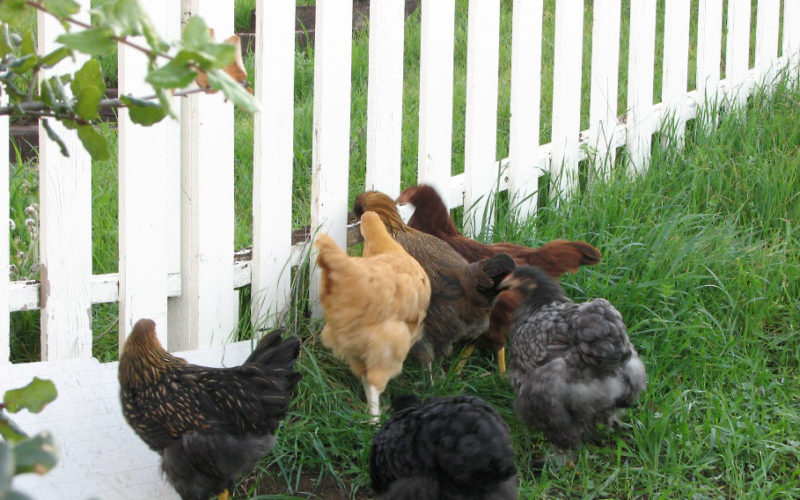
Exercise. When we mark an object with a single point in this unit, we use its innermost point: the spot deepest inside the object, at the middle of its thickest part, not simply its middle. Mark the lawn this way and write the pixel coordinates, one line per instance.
(701, 256)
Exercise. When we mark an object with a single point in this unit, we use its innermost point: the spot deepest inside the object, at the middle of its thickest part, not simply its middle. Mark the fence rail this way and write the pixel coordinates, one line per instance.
(176, 214)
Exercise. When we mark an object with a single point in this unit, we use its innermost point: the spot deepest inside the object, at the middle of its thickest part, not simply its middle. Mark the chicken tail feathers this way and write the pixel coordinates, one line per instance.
(493, 270)
(562, 256)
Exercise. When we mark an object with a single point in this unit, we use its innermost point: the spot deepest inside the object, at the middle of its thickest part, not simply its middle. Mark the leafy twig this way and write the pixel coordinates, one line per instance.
(121, 39)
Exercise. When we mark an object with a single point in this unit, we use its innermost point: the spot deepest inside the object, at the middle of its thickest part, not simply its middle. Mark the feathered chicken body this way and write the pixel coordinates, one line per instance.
(572, 365)
(373, 305)
(557, 257)
(455, 447)
(462, 294)
(208, 424)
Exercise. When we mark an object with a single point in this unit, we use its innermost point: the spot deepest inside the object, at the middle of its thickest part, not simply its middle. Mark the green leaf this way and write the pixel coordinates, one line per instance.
(13, 12)
(6, 44)
(143, 112)
(88, 88)
(7, 466)
(62, 8)
(28, 45)
(55, 138)
(219, 80)
(37, 454)
(195, 34)
(172, 75)
(10, 431)
(55, 57)
(33, 397)
(94, 142)
(23, 64)
(95, 41)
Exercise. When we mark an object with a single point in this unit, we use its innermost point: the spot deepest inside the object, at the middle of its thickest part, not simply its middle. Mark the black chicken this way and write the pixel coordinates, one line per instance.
(455, 447)
(208, 424)
(572, 365)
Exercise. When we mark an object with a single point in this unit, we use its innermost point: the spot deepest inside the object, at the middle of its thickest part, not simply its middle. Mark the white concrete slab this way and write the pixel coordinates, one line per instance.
(100, 456)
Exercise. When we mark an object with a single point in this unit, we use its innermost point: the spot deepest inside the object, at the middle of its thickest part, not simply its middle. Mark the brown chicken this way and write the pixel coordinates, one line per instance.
(208, 424)
(373, 305)
(462, 294)
(556, 258)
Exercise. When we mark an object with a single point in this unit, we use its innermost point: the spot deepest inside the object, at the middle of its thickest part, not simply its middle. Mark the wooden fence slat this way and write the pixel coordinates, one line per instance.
(65, 199)
(331, 141)
(273, 160)
(436, 95)
(676, 64)
(143, 176)
(526, 92)
(791, 37)
(5, 334)
(737, 51)
(709, 46)
(480, 143)
(767, 25)
(605, 84)
(566, 97)
(206, 310)
(385, 95)
(641, 55)
(172, 31)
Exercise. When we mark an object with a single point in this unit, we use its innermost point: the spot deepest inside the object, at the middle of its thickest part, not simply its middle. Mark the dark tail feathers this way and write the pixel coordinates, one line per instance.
(277, 353)
(495, 268)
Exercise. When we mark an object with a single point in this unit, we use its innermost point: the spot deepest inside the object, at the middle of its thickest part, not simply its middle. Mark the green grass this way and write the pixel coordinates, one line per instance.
(702, 257)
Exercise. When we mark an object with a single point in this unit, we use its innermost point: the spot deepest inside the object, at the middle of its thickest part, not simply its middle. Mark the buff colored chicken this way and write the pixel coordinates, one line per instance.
(373, 306)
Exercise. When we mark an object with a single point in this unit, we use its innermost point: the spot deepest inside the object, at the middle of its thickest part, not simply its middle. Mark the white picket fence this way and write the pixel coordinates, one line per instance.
(176, 179)
(176, 212)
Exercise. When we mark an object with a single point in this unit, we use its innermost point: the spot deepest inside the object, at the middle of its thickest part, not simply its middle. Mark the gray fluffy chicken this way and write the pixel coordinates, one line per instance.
(455, 447)
(572, 365)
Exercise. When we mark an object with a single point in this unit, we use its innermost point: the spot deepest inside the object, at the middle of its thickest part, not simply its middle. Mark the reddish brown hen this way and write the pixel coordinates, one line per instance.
(556, 257)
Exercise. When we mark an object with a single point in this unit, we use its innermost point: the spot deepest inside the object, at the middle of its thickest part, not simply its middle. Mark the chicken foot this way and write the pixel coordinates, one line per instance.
(223, 495)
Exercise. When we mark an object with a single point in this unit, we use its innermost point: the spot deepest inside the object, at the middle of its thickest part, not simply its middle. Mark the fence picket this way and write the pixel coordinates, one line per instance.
(709, 46)
(385, 95)
(331, 142)
(526, 91)
(206, 310)
(641, 56)
(143, 176)
(791, 37)
(676, 64)
(605, 85)
(767, 25)
(480, 143)
(737, 51)
(5, 334)
(436, 96)
(566, 96)
(65, 200)
(273, 158)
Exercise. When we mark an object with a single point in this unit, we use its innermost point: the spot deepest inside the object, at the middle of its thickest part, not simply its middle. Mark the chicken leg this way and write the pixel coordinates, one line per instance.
(223, 495)
(501, 360)
(373, 400)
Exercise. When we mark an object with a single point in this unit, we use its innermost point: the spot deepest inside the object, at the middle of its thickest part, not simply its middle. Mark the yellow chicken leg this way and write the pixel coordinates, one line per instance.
(223, 495)
(462, 360)
(501, 360)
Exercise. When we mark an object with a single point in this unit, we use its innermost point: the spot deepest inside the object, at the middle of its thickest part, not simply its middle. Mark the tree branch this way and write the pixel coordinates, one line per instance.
(31, 107)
